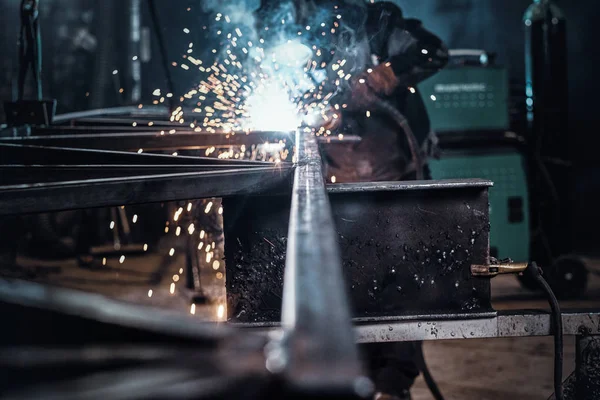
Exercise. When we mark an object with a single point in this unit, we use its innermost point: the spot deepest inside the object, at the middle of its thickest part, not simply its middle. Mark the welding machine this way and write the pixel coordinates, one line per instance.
(468, 107)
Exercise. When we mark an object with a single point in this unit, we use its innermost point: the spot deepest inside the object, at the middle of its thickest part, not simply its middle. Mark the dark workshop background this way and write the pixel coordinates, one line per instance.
(85, 40)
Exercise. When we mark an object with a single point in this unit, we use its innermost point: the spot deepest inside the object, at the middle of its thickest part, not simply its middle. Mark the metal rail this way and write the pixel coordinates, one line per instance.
(148, 141)
(507, 324)
(58, 196)
(318, 353)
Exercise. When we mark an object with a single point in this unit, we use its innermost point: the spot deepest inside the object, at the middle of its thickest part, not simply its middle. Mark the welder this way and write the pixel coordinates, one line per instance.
(387, 56)
(387, 112)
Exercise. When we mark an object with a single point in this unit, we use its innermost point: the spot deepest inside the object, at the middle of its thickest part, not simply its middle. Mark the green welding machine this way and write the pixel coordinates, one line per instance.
(468, 108)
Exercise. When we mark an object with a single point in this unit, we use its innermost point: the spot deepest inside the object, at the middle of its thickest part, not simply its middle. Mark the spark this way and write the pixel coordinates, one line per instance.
(216, 265)
(122, 260)
(145, 246)
(172, 288)
(193, 309)
(220, 312)
(135, 218)
(150, 293)
(171, 252)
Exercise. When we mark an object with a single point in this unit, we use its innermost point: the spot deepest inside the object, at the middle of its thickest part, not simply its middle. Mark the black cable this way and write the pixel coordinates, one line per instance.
(535, 273)
(422, 365)
(163, 54)
(402, 122)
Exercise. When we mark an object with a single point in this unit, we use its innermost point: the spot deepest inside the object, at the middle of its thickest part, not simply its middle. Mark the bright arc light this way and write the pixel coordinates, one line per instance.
(271, 109)
(292, 53)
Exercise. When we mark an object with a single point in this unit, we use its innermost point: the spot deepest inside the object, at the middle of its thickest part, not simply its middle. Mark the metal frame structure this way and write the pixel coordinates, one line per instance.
(313, 354)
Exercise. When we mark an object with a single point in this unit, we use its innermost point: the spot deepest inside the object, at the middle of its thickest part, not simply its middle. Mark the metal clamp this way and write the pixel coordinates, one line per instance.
(497, 269)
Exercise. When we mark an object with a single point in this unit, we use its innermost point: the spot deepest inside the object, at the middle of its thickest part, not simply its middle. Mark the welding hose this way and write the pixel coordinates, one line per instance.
(385, 107)
(534, 273)
(427, 377)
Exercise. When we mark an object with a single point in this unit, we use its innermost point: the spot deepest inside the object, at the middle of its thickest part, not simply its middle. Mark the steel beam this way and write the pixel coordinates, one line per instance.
(148, 141)
(317, 353)
(506, 324)
(407, 249)
(14, 154)
(57, 196)
(52, 305)
(133, 139)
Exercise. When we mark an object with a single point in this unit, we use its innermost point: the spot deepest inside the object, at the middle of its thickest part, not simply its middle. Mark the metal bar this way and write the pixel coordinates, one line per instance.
(514, 323)
(32, 174)
(60, 302)
(318, 354)
(147, 111)
(409, 185)
(119, 138)
(509, 324)
(14, 154)
(58, 196)
(150, 140)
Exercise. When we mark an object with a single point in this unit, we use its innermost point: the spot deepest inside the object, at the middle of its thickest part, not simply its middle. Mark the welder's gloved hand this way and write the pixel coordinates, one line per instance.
(376, 82)
(381, 80)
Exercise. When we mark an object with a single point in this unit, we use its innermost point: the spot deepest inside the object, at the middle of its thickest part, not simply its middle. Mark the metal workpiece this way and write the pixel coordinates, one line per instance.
(505, 324)
(14, 154)
(317, 352)
(32, 308)
(148, 141)
(140, 189)
(406, 250)
(409, 185)
(66, 344)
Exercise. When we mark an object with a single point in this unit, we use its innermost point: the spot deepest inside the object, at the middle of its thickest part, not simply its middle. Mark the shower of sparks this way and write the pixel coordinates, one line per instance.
(248, 85)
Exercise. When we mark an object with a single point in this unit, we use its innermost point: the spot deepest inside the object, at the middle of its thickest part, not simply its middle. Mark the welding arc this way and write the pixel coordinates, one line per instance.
(164, 58)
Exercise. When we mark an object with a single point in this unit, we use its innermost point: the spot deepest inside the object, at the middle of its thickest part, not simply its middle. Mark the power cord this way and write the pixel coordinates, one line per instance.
(534, 273)
(422, 365)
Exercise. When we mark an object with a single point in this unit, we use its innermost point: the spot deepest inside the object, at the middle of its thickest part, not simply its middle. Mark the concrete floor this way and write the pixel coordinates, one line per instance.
(464, 369)
(498, 369)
